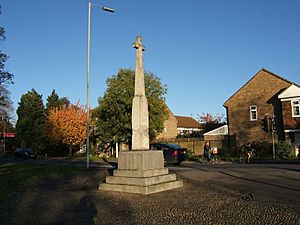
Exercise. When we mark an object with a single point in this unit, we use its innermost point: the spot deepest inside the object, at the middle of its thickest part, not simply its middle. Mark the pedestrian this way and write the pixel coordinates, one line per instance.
(249, 151)
(207, 151)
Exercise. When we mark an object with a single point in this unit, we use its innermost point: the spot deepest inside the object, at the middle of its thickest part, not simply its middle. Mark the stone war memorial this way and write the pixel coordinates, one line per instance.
(140, 170)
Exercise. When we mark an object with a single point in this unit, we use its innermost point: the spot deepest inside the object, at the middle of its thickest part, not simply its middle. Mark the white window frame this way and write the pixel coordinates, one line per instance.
(253, 108)
(294, 104)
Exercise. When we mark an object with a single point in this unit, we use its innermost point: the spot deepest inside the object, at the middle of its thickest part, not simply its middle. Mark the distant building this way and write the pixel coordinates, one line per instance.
(170, 128)
(219, 133)
(264, 100)
(217, 137)
(187, 125)
(178, 125)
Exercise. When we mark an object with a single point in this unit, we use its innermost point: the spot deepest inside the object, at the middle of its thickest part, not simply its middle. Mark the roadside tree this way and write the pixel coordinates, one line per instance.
(67, 125)
(112, 117)
(6, 78)
(6, 107)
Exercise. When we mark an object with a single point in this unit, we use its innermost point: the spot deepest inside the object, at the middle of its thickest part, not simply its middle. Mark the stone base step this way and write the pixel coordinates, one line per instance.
(140, 173)
(144, 190)
(140, 181)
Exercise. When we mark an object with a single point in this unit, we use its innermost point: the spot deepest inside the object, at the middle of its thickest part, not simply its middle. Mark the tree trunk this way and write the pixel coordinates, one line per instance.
(70, 151)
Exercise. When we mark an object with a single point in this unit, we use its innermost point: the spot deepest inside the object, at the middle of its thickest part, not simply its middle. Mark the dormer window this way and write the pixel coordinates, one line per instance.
(253, 113)
(295, 108)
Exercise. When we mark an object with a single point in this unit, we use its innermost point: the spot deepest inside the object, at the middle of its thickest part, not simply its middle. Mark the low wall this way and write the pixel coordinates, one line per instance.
(197, 145)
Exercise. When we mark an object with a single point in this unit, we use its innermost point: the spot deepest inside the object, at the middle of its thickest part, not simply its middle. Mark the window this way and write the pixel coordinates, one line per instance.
(296, 108)
(253, 113)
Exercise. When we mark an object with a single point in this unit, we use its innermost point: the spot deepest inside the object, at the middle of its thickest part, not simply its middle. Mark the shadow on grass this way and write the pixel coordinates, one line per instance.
(41, 194)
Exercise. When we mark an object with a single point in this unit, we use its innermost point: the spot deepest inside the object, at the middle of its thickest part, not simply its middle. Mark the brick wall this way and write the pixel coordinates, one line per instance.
(170, 129)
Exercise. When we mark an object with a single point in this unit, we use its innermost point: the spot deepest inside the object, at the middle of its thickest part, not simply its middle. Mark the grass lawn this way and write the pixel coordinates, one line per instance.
(16, 177)
(94, 158)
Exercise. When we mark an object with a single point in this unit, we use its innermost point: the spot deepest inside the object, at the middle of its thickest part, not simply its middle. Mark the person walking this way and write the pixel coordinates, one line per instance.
(207, 151)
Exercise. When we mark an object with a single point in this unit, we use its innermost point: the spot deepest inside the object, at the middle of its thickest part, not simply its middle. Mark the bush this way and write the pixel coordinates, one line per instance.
(229, 153)
(262, 148)
(285, 150)
(190, 153)
(195, 157)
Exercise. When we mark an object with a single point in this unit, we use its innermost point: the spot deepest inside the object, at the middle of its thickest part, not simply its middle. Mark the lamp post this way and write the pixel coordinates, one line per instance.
(88, 78)
(4, 134)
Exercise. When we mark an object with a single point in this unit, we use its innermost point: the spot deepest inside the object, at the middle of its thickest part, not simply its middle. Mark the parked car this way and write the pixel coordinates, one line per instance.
(25, 153)
(173, 154)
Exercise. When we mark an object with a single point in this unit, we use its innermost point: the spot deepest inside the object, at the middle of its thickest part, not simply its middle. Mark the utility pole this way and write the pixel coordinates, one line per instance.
(4, 134)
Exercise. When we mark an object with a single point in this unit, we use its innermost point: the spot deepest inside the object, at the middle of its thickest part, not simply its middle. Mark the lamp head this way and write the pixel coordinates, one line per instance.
(108, 9)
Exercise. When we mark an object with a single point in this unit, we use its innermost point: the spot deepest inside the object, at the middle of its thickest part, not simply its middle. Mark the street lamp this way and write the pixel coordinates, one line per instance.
(4, 134)
(88, 78)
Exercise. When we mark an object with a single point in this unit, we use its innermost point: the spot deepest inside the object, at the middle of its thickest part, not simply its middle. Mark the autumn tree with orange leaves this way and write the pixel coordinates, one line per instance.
(67, 125)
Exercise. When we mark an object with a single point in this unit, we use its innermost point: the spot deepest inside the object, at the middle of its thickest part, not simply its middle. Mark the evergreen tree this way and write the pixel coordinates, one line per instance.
(53, 101)
(31, 121)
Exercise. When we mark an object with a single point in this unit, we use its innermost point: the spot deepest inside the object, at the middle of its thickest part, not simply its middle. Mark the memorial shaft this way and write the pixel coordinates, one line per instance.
(140, 115)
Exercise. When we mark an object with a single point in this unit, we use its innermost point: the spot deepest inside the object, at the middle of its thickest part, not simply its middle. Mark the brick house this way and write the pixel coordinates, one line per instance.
(187, 125)
(176, 125)
(253, 106)
(170, 128)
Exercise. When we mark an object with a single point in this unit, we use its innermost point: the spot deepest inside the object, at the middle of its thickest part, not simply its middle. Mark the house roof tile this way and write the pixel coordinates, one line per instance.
(187, 122)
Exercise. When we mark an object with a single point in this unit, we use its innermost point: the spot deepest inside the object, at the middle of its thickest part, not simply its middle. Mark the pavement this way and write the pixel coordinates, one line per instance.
(212, 194)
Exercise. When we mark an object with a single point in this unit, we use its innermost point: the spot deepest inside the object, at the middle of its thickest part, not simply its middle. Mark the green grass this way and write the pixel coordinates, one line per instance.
(94, 158)
(82, 156)
(112, 159)
(16, 177)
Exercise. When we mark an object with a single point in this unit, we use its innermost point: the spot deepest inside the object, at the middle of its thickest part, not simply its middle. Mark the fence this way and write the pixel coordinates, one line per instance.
(196, 145)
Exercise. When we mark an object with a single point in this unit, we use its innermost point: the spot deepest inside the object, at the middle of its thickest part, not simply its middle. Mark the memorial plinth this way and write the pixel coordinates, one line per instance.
(140, 170)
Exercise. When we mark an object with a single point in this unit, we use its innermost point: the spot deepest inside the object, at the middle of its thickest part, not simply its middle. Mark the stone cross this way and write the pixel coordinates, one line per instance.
(140, 171)
(140, 115)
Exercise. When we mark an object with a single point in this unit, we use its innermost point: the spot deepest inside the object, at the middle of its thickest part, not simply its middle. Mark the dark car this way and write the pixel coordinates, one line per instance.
(173, 154)
(25, 153)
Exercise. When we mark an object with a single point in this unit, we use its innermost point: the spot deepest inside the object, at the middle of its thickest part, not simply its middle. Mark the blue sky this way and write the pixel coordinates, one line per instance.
(204, 51)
